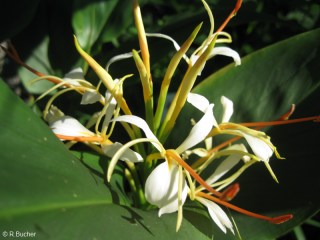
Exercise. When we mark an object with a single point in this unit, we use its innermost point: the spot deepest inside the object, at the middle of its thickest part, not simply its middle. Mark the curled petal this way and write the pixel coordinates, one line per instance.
(217, 214)
(227, 105)
(69, 126)
(128, 155)
(225, 51)
(139, 122)
(199, 131)
(161, 188)
(198, 101)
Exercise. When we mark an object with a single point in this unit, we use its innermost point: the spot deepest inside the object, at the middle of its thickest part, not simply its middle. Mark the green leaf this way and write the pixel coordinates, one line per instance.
(89, 19)
(262, 89)
(47, 191)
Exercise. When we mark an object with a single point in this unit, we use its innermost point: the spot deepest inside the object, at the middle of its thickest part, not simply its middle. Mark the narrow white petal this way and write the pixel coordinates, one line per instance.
(139, 122)
(70, 127)
(225, 51)
(90, 97)
(199, 131)
(127, 155)
(260, 148)
(217, 214)
(227, 164)
(110, 110)
(198, 101)
(118, 58)
(227, 105)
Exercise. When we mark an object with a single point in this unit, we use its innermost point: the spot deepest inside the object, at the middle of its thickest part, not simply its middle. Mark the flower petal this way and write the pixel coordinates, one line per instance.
(227, 105)
(199, 131)
(127, 155)
(260, 148)
(226, 52)
(90, 96)
(139, 122)
(70, 126)
(217, 214)
(161, 188)
(198, 101)
(227, 163)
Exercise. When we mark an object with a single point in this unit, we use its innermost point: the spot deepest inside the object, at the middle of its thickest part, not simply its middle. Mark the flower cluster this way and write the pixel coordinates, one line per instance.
(159, 176)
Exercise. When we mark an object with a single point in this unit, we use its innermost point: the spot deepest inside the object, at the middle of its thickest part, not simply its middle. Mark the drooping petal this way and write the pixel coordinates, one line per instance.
(199, 131)
(70, 126)
(53, 114)
(260, 148)
(110, 110)
(127, 155)
(139, 122)
(217, 214)
(198, 101)
(227, 105)
(225, 51)
(161, 188)
(90, 96)
(227, 164)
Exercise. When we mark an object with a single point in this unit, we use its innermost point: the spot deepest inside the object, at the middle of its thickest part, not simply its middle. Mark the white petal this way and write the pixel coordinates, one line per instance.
(76, 73)
(70, 127)
(226, 52)
(198, 101)
(227, 163)
(118, 58)
(53, 114)
(260, 148)
(139, 122)
(128, 155)
(110, 110)
(227, 105)
(161, 188)
(217, 214)
(199, 131)
(90, 96)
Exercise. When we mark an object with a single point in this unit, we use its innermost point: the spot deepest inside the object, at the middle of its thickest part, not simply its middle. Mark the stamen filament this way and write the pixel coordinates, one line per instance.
(281, 122)
(177, 158)
(231, 15)
(274, 220)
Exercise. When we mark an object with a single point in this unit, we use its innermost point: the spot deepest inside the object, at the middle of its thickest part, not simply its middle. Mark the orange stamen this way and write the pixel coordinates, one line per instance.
(180, 161)
(81, 138)
(13, 54)
(231, 15)
(274, 220)
(281, 122)
(230, 192)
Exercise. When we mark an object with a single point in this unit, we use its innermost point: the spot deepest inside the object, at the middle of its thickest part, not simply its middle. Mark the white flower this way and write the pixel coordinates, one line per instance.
(161, 187)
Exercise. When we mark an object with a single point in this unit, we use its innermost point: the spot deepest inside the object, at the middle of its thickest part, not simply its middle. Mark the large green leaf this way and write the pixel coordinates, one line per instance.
(89, 19)
(46, 190)
(262, 89)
